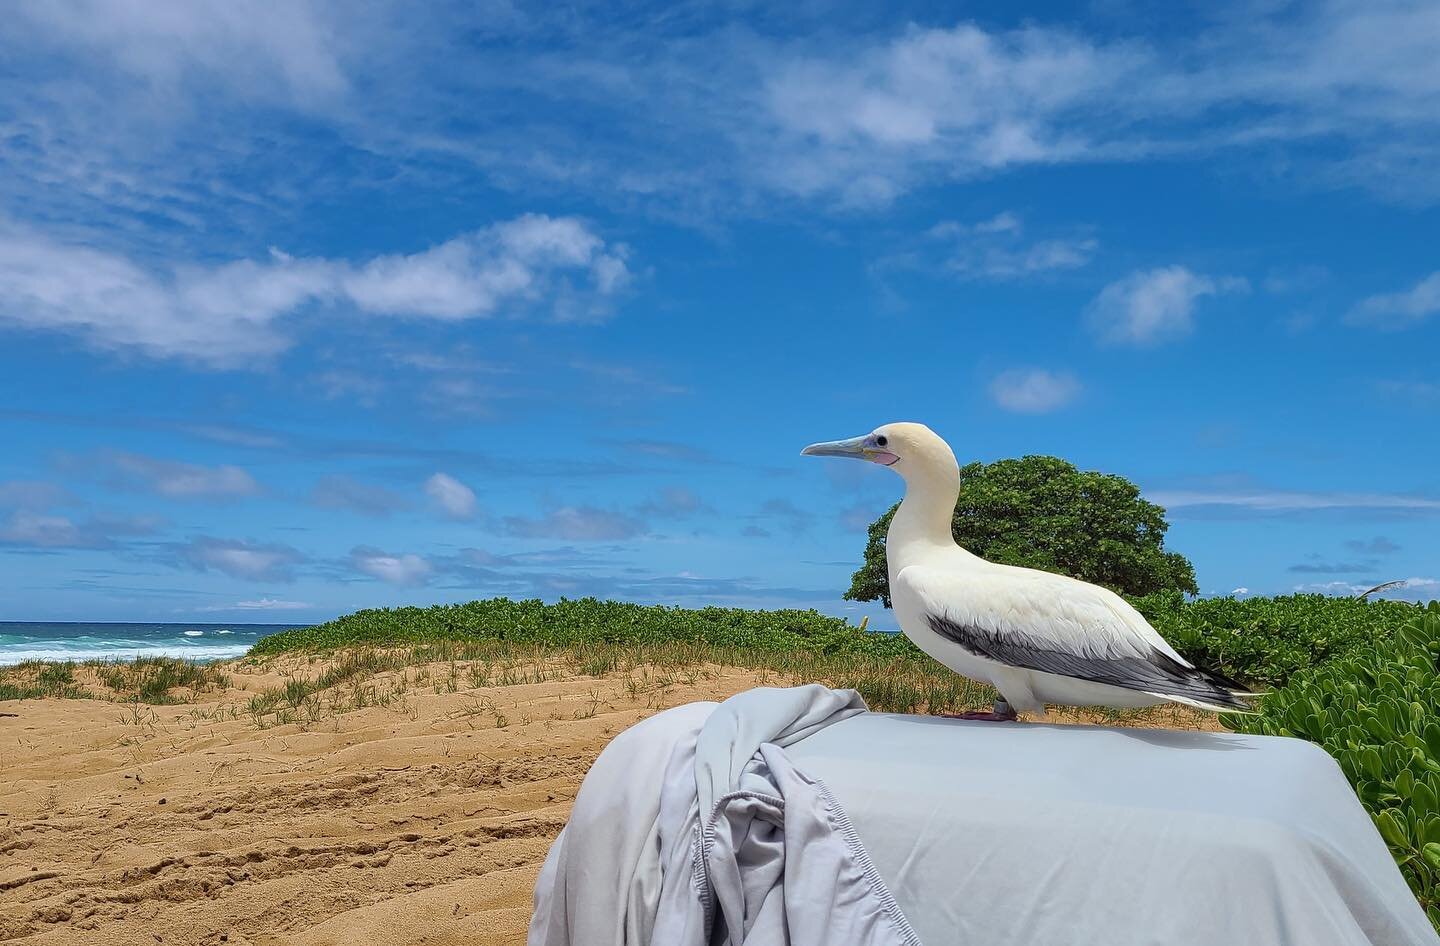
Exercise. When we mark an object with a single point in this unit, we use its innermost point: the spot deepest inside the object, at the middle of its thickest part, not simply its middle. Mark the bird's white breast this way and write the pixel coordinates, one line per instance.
(911, 614)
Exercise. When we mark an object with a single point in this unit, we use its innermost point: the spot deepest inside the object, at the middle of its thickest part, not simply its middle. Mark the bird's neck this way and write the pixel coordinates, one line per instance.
(923, 521)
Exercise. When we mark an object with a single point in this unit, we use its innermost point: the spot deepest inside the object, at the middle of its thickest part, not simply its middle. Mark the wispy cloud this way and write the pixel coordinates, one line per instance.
(29, 528)
(1399, 310)
(1156, 305)
(406, 569)
(251, 561)
(1315, 565)
(1376, 546)
(667, 450)
(580, 523)
(230, 314)
(1416, 393)
(1267, 502)
(452, 497)
(178, 480)
(1034, 390)
(867, 122)
(261, 604)
(285, 55)
(998, 249)
(784, 514)
(33, 494)
(731, 117)
(29, 520)
(673, 502)
(335, 491)
(613, 376)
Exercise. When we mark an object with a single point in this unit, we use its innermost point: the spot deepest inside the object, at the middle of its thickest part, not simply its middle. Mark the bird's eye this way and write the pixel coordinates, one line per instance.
(881, 441)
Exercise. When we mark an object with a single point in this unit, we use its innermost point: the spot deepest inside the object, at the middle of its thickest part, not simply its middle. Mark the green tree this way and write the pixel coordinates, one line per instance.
(1042, 512)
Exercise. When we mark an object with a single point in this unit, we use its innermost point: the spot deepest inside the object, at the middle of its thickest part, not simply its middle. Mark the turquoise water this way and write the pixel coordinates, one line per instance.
(40, 640)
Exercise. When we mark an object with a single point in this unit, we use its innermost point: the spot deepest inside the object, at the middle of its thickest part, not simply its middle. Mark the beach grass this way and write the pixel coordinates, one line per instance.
(149, 680)
(323, 684)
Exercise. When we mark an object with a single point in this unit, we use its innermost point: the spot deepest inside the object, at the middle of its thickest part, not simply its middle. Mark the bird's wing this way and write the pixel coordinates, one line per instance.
(1038, 621)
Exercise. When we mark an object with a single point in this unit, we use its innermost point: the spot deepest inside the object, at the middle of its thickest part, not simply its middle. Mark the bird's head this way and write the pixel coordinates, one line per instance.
(908, 449)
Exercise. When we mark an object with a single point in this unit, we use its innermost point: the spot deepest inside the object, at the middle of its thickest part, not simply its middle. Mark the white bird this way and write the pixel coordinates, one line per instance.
(1036, 637)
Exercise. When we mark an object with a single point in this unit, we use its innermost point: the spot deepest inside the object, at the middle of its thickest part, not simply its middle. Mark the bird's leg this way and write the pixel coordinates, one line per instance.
(1002, 713)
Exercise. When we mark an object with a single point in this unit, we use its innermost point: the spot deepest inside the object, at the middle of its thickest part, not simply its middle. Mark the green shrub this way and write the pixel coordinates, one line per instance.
(1375, 712)
(1264, 641)
(588, 620)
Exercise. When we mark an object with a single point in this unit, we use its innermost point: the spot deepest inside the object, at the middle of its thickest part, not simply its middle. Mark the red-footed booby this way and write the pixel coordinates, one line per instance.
(1036, 637)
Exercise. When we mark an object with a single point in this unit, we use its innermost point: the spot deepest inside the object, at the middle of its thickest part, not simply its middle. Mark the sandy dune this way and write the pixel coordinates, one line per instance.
(424, 821)
(420, 821)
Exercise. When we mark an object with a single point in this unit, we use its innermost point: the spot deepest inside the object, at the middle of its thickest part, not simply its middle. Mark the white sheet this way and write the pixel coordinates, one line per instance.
(1022, 834)
(693, 828)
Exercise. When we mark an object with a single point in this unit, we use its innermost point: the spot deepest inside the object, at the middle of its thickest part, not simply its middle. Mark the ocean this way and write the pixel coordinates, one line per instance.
(41, 640)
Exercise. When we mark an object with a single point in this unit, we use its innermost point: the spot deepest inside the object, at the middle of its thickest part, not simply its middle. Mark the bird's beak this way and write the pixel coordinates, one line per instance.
(857, 448)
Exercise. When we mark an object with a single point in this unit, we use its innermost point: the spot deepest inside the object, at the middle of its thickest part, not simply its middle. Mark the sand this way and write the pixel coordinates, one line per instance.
(421, 821)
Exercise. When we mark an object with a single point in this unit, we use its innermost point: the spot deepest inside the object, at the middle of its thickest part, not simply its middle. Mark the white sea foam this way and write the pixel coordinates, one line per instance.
(16, 653)
(192, 633)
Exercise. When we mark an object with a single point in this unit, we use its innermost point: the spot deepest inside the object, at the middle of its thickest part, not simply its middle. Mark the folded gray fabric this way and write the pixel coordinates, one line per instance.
(693, 828)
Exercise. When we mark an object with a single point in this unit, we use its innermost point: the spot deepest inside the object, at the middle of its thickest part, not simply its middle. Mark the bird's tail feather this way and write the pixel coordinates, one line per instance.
(1235, 703)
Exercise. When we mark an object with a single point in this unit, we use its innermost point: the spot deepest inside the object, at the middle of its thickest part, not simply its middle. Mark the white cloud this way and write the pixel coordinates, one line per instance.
(453, 497)
(257, 50)
(253, 561)
(146, 108)
(1399, 310)
(866, 122)
(231, 314)
(1242, 590)
(1155, 305)
(29, 528)
(33, 523)
(42, 531)
(1034, 390)
(405, 569)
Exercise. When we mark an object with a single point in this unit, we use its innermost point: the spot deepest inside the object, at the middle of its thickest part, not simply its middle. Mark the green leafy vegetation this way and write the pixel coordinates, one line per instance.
(1376, 712)
(1043, 512)
(587, 621)
(1261, 641)
(1265, 641)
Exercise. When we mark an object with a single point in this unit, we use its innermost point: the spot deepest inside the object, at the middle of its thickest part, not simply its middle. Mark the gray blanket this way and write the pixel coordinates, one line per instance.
(1014, 834)
(694, 828)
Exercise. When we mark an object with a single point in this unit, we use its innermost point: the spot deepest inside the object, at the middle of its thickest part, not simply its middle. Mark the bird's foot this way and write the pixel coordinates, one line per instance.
(1002, 713)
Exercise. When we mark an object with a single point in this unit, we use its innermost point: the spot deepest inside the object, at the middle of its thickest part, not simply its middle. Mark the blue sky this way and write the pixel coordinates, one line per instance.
(312, 307)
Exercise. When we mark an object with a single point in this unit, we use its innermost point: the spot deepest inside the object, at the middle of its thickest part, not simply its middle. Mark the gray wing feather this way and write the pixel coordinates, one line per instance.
(1156, 672)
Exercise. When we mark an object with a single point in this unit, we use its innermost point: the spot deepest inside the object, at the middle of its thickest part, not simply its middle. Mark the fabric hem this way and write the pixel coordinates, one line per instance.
(867, 867)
